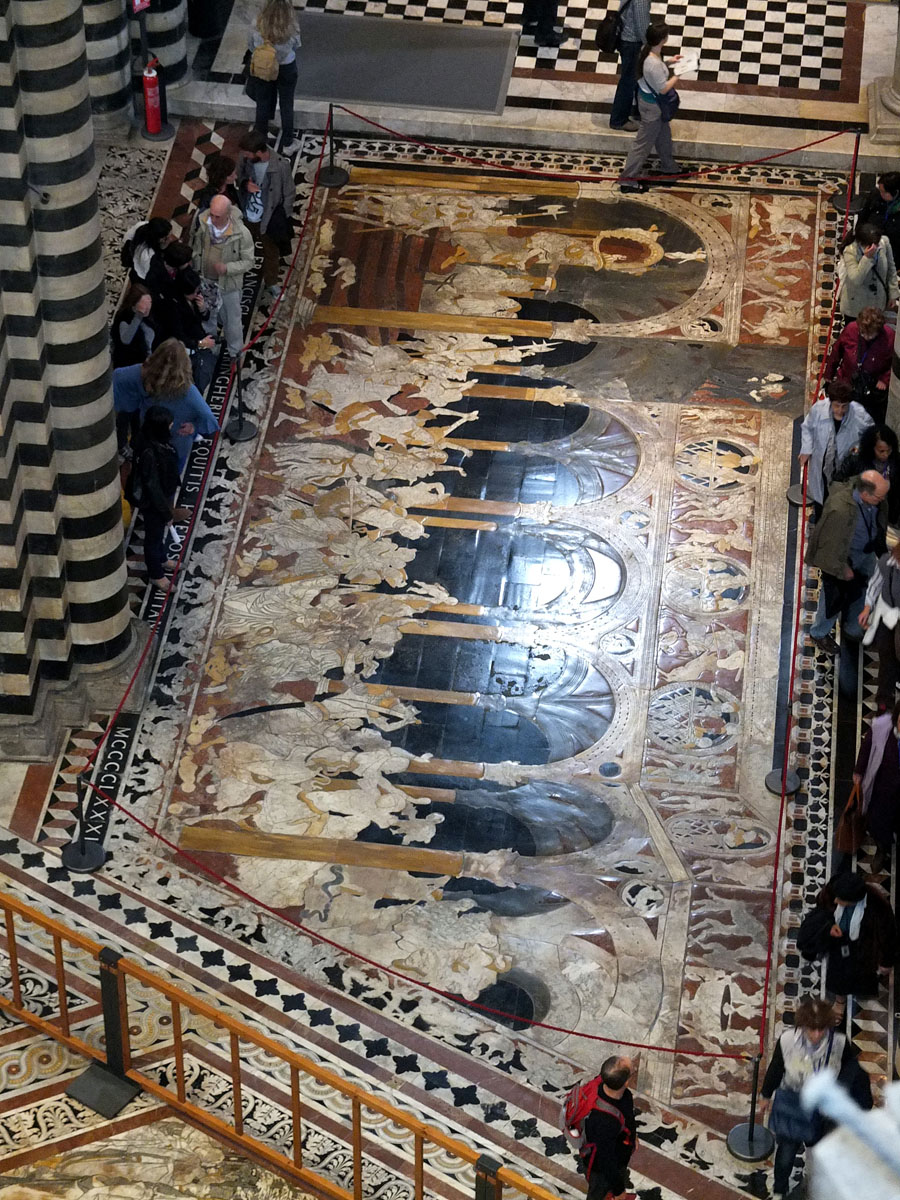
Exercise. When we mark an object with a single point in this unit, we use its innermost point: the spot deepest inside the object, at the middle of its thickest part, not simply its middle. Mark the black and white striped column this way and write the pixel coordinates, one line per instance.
(63, 596)
(167, 38)
(109, 61)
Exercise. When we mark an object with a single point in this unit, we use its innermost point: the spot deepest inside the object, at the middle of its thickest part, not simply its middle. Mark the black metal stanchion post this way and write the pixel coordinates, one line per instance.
(748, 1141)
(239, 429)
(847, 201)
(332, 176)
(81, 855)
(106, 1089)
(487, 1185)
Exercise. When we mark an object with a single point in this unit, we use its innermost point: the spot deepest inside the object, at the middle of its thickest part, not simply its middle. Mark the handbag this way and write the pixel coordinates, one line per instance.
(851, 830)
(609, 31)
(669, 102)
(789, 1120)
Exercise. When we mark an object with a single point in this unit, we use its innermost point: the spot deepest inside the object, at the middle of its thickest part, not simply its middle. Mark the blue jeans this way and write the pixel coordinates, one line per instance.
(854, 602)
(154, 542)
(624, 102)
(280, 90)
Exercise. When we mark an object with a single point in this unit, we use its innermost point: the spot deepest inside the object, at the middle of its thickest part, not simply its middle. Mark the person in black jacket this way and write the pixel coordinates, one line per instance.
(882, 209)
(152, 485)
(853, 928)
(133, 327)
(184, 314)
(877, 451)
(610, 1131)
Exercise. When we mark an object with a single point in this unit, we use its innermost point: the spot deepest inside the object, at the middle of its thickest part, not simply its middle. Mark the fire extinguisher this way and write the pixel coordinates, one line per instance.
(152, 110)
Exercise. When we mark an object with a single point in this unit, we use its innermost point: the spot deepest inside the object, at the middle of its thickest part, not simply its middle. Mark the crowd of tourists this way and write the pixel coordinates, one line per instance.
(183, 300)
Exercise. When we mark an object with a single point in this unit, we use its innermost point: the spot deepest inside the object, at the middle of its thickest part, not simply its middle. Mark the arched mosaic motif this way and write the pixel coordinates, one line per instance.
(525, 704)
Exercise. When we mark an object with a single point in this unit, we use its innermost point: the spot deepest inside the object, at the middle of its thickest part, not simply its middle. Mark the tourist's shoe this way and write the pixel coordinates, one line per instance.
(826, 644)
(633, 187)
(554, 39)
(275, 290)
(292, 147)
(629, 126)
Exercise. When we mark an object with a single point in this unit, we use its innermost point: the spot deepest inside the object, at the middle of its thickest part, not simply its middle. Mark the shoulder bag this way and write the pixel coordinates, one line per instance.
(609, 31)
(851, 829)
(669, 102)
(789, 1120)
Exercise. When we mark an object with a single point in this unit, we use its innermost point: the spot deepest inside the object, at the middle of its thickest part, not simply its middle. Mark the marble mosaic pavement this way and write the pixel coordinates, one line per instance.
(500, 623)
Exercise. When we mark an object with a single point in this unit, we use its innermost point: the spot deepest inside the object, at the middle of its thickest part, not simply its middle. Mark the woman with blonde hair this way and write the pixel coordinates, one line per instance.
(276, 27)
(166, 379)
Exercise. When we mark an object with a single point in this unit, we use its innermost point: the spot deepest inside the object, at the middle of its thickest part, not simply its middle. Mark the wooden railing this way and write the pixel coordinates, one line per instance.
(209, 1045)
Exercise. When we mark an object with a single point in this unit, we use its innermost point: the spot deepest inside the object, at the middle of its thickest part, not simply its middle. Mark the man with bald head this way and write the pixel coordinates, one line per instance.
(222, 249)
(610, 1131)
(845, 544)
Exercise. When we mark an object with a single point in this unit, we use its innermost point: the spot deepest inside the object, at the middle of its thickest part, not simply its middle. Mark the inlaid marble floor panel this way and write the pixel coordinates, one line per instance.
(480, 640)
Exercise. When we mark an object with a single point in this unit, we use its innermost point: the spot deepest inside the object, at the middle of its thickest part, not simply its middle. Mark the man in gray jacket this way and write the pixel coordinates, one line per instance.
(635, 16)
(266, 194)
(222, 250)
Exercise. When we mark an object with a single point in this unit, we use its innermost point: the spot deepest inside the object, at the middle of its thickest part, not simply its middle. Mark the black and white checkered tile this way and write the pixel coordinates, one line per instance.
(763, 43)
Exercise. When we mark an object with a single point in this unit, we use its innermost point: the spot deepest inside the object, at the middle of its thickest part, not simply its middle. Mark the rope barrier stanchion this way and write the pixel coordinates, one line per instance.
(748, 1141)
(239, 429)
(332, 176)
(80, 855)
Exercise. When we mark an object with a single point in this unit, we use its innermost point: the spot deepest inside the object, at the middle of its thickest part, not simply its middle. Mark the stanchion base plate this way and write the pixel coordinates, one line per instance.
(166, 132)
(747, 1150)
(333, 177)
(795, 494)
(240, 431)
(791, 782)
(102, 1092)
(94, 857)
(844, 203)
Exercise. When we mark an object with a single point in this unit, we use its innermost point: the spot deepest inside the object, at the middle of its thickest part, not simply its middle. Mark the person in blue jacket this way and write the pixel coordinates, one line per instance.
(165, 378)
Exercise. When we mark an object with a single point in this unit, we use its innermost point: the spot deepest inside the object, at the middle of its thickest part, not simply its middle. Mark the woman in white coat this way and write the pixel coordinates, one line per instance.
(830, 429)
(869, 273)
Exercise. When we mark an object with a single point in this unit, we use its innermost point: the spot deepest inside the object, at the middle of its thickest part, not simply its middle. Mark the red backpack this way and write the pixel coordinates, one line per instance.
(581, 1100)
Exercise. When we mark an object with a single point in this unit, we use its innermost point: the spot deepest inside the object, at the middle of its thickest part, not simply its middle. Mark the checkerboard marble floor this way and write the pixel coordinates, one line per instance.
(785, 43)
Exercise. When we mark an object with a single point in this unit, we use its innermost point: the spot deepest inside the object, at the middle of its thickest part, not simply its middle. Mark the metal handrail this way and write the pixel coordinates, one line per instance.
(176, 1094)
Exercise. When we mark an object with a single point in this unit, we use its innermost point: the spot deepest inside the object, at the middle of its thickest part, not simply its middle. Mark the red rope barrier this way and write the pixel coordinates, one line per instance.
(773, 899)
(322, 938)
(371, 962)
(571, 177)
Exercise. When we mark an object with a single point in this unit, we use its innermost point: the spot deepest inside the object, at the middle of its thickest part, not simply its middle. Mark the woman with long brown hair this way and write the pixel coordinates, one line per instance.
(166, 379)
(133, 328)
(276, 26)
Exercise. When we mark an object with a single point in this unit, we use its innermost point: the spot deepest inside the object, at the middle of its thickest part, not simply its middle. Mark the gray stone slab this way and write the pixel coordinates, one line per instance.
(373, 60)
